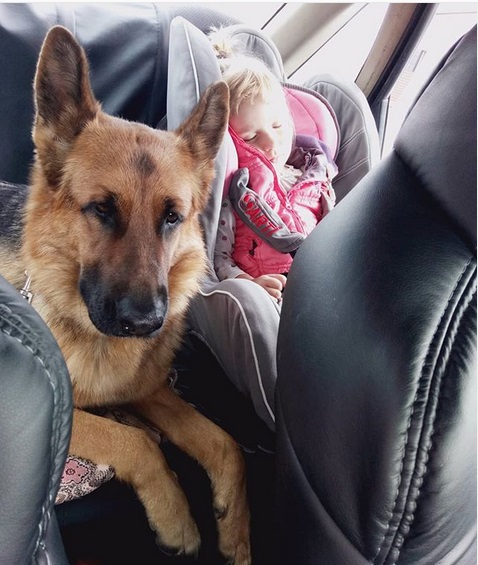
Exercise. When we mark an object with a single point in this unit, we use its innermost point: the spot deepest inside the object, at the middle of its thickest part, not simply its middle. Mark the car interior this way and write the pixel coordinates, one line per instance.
(358, 428)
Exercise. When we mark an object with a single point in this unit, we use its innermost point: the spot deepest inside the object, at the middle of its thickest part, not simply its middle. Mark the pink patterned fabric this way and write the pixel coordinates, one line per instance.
(80, 476)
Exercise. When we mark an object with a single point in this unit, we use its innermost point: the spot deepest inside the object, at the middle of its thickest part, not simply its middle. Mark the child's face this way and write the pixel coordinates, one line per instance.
(267, 126)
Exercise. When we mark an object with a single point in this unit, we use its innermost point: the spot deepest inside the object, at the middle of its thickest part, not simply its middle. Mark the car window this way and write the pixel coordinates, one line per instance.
(345, 52)
(450, 21)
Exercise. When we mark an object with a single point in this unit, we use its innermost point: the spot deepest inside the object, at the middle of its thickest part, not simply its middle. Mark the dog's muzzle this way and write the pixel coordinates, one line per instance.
(124, 313)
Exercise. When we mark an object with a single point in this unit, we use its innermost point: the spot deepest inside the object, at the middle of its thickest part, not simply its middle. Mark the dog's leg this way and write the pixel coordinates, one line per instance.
(138, 461)
(219, 455)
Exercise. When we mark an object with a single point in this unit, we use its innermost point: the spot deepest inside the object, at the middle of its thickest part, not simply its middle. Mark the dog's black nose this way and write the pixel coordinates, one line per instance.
(140, 318)
(140, 328)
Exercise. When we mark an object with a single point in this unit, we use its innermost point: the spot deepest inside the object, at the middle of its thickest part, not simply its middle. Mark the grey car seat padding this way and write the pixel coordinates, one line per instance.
(236, 319)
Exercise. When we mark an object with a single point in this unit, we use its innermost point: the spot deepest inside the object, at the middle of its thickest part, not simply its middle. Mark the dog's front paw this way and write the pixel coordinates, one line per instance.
(169, 516)
(232, 516)
(241, 554)
(176, 533)
(235, 545)
(183, 540)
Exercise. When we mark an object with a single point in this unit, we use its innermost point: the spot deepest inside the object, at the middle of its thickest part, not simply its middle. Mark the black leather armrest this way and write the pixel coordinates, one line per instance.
(35, 427)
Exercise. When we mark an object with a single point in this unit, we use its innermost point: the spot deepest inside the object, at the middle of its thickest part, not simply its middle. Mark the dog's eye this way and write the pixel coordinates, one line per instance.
(172, 218)
(102, 209)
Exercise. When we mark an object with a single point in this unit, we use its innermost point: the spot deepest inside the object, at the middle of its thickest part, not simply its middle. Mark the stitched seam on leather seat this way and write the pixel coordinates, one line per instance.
(7, 325)
(439, 375)
(412, 491)
(346, 543)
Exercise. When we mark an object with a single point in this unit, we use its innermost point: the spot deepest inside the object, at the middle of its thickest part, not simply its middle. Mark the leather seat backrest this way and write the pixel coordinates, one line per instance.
(376, 395)
(127, 46)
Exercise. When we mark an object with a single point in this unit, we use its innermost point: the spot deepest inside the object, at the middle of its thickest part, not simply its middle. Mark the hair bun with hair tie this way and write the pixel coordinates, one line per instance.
(222, 53)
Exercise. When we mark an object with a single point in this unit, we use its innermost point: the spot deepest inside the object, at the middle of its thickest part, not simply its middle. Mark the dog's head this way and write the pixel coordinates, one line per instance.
(114, 212)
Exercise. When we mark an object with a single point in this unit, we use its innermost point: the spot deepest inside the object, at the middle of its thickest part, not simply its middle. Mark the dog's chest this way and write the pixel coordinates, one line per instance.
(109, 373)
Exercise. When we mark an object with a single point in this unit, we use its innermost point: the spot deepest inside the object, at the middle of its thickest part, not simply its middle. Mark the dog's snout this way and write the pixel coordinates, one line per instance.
(123, 312)
(140, 317)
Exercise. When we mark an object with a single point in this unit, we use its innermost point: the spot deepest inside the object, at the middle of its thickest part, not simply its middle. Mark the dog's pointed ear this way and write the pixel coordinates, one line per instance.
(204, 129)
(64, 100)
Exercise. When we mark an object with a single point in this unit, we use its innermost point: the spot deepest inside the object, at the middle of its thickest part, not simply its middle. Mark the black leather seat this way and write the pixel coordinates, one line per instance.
(127, 46)
(376, 397)
(35, 425)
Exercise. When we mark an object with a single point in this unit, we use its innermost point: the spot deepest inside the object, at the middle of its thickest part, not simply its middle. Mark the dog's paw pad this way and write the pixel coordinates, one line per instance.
(187, 543)
(169, 551)
(176, 551)
(242, 555)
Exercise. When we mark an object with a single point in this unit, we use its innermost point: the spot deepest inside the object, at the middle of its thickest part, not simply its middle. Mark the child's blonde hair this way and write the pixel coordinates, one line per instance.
(247, 76)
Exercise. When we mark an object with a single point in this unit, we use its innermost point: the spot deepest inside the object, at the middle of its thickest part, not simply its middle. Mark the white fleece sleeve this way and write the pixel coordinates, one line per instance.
(223, 263)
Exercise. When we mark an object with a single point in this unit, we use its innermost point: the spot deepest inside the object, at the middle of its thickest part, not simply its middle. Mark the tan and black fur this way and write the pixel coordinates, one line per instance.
(112, 241)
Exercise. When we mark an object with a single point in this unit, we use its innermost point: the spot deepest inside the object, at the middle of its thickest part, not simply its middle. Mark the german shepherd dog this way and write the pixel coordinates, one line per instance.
(112, 241)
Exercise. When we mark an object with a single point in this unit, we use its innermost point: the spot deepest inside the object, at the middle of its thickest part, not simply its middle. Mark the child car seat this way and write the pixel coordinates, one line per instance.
(235, 318)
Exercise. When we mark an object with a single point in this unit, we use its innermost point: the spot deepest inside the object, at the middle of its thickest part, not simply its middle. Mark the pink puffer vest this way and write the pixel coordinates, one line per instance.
(304, 205)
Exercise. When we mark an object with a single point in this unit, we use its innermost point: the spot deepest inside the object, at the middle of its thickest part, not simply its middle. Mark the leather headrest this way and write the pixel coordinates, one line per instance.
(438, 139)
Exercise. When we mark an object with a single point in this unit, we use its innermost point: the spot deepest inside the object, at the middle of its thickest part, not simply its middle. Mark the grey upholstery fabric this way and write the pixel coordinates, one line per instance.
(247, 39)
(192, 68)
(235, 319)
(359, 149)
(35, 426)
(239, 322)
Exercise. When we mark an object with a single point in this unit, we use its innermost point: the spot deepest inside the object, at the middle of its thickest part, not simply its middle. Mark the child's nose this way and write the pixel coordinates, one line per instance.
(267, 143)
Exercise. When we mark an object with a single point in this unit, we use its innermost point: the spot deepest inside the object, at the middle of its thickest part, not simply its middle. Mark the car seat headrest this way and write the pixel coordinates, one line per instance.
(438, 138)
(250, 41)
(313, 115)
